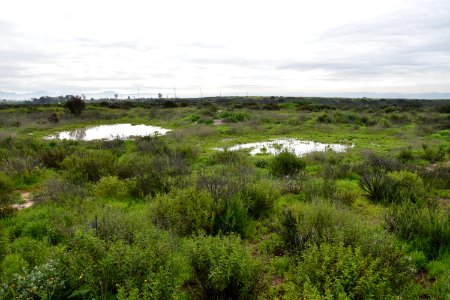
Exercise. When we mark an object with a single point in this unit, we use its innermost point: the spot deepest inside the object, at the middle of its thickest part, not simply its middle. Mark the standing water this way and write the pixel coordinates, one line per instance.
(109, 132)
(295, 146)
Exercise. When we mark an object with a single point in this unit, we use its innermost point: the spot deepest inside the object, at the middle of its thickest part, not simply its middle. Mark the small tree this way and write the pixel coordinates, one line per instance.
(75, 105)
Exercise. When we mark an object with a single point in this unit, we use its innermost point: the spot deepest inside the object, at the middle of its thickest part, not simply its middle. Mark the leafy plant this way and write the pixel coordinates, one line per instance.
(286, 163)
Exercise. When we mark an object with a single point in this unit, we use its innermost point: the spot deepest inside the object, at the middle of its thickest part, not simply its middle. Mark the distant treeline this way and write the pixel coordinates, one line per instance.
(257, 103)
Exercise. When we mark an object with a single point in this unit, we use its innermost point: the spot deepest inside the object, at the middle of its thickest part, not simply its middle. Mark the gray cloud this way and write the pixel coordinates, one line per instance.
(406, 44)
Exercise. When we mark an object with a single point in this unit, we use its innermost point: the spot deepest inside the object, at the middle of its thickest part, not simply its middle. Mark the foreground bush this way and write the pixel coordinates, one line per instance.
(333, 271)
(223, 269)
(427, 228)
(183, 211)
(319, 223)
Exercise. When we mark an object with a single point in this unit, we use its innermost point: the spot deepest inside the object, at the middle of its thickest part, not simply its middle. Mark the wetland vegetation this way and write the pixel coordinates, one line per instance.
(164, 217)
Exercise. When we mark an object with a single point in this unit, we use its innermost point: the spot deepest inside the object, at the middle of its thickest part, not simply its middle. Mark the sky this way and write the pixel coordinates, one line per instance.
(212, 47)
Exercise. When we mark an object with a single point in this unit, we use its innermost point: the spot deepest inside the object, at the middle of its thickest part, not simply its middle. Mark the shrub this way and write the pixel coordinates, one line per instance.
(433, 154)
(228, 157)
(231, 216)
(406, 155)
(393, 187)
(286, 164)
(184, 211)
(334, 271)
(44, 281)
(75, 105)
(152, 144)
(260, 198)
(223, 269)
(111, 187)
(6, 186)
(377, 186)
(428, 228)
(234, 116)
(319, 223)
(52, 155)
(89, 165)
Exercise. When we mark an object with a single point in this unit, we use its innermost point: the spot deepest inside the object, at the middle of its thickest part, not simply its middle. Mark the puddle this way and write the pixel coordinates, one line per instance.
(108, 132)
(293, 145)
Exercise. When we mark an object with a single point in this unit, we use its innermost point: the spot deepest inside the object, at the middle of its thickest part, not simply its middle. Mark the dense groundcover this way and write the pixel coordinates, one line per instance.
(164, 217)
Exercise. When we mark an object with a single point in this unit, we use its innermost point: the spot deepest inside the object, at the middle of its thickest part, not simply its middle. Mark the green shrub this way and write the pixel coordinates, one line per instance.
(406, 155)
(223, 269)
(286, 164)
(228, 157)
(428, 228)
(260, 197)
(111, 187)
(89, 165)
(393, 187)
(262, 163)
(231, 216)
(334, 271)
(234, 116)
(6, 185)
(184, 211)
(319, 223)
(44, 281)
(433, 154)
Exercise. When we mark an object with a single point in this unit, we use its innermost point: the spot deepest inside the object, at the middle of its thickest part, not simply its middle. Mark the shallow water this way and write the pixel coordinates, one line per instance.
(293, 145)
(108, 132)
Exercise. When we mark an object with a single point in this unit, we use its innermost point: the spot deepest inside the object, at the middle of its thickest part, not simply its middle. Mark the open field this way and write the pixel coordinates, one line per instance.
(170, 217)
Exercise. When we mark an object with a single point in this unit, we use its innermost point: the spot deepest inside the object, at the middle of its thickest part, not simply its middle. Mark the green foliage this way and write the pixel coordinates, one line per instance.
(112, 187)
(393, 187)
(428, 228)
(45, 281)
(234, 116)
(223, 269)
(334, 271)
(228, 157)
(75, 105)
(89, 165)
(319, 223)
(260, 198)
(286, 164)
(184, 211)
(433, 154)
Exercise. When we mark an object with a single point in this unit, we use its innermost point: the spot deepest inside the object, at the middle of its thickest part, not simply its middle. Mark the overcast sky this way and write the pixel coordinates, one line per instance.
(256, 47)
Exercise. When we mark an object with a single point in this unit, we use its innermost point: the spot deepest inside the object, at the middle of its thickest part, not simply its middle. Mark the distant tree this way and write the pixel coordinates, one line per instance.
(75, 105)
(160, 95)
(116, 96)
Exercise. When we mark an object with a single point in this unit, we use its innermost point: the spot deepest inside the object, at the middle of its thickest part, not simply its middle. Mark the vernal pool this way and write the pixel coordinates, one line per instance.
(108, 132)
(293, 145)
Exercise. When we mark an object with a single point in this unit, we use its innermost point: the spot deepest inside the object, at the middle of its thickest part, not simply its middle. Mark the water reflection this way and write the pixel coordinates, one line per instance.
(109, 132)
(293, 145)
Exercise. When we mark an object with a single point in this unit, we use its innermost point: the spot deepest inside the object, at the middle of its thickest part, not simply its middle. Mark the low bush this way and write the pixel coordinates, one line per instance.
(185, 212)
(260, 197)
(335, 271)
(89, 165)
(286, 164)
(433, 154)
(223, 269)
(6, 186)
(319, 223)
(393, 187)
(234, 116)
(428, 228)
(112, 187)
